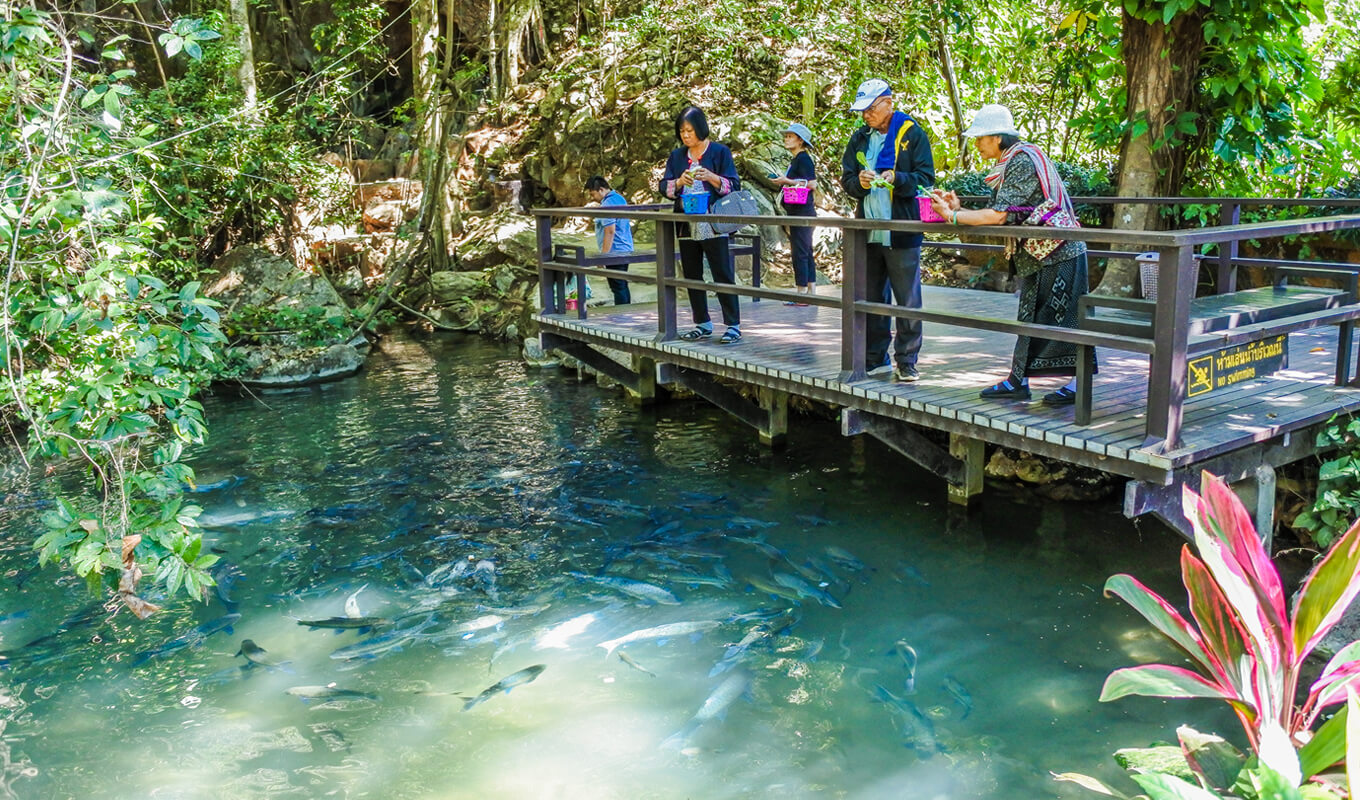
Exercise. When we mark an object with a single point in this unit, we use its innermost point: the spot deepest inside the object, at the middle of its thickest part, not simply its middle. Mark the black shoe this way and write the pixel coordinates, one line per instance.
(1062, 397)
(906, 373)
(1005, 391)
(730, 336)
(696, 334)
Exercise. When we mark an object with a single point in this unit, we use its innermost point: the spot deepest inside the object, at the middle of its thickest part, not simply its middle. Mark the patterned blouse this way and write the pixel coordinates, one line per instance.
(1020, 189)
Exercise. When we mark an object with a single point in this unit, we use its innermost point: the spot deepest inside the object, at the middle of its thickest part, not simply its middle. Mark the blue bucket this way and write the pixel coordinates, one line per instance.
(695, 203)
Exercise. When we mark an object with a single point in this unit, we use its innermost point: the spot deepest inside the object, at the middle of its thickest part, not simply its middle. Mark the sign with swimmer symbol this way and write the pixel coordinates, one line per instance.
(1232, 365)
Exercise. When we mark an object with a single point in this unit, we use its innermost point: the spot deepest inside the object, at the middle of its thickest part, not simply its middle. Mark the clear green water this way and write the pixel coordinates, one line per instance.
(451, 451)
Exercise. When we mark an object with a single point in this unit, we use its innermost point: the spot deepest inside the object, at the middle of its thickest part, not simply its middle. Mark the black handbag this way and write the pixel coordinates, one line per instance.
(737, 204)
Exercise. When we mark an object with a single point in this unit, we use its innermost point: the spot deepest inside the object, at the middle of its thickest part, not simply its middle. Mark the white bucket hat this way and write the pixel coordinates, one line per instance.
(992, 120)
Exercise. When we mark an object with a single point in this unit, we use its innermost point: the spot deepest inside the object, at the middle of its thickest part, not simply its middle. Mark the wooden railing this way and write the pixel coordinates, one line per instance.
(1167, 349)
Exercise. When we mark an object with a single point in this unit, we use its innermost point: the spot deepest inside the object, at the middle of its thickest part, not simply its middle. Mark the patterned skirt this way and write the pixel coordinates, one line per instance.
(1049, 297)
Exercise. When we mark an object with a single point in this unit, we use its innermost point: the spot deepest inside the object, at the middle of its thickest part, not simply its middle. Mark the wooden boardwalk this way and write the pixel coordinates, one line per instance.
(797, 349)
(1158, 413)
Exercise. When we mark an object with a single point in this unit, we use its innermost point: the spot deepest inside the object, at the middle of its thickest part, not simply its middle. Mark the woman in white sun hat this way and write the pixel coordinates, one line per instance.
(1027, 190)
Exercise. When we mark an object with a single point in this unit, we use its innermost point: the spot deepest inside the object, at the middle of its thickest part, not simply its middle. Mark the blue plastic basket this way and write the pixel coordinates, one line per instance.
(696, 203)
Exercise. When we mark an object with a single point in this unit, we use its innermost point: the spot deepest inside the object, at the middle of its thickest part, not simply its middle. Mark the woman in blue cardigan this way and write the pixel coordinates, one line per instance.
(696, 166)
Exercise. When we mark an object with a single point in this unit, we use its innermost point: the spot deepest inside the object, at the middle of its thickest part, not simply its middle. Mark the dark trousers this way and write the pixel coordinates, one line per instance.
(692, 254)
(800, 245)
(619, 287)
(892, 272)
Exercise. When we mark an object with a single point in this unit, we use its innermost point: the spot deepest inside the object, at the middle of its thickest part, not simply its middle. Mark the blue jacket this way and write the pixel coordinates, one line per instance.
(716, 159)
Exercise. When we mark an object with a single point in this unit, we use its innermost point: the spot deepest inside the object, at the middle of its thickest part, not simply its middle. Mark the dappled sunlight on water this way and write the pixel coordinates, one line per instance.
(458, 526)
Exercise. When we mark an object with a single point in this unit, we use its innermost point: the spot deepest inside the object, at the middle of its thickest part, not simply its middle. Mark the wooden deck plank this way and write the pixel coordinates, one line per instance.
(800, 346)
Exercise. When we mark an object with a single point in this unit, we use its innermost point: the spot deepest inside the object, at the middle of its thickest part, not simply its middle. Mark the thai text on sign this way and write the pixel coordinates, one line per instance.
(1232, 365)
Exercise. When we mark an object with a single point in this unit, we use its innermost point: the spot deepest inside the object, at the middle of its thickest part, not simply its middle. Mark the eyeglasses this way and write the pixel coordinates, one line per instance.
(874, 105)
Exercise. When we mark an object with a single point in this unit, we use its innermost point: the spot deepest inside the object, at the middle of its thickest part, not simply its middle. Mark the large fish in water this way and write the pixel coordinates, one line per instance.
(918, 732)
(667, 631)
(960, 695)
(727, 692)
(193, 638)
(909, 659)
(256, 655)
(329, 692)
(526, 675)
(648, 592)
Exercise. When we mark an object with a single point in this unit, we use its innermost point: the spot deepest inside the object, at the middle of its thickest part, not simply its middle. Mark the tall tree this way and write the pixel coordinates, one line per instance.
(240, 18)
(1200, 80)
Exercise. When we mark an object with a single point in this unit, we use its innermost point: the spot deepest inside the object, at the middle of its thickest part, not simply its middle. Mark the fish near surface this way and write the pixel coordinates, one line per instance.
(918, 732)
(909, 660)
(960, 695)
(345, 623)
(257, 655)
(526, 675)
(329, 692)
(660, 632)
(802, 588)
(643, 591)
(715, 706)
(193, 638)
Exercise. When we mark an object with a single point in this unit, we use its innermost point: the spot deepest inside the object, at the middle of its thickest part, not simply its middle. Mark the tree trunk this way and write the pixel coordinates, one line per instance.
(947, 72)
(493, 61)
(1160, 67)
(240, 17)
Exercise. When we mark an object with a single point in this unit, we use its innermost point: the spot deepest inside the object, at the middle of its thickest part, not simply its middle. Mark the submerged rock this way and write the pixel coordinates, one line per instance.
(273, 367)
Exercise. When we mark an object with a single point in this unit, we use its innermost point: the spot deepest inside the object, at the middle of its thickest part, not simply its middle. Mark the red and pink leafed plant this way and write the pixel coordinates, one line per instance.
(1246, 646)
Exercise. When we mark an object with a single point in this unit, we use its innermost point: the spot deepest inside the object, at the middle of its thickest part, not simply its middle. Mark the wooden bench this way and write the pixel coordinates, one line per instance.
(1228, 320)
(742, 244)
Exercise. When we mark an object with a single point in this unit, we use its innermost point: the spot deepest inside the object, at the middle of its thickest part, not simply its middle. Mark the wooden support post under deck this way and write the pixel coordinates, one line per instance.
(645, 392)
(1086, 356)
(770, 421)
(1265, 504)
(775, 404)
(973, 454)
(961, 467)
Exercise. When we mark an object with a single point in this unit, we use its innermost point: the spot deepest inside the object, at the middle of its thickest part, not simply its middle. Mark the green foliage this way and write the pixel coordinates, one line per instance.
(1338, 492)
(187, 34)
(1246, 647)
(105, 337)
(312, 326)
(1260, 120)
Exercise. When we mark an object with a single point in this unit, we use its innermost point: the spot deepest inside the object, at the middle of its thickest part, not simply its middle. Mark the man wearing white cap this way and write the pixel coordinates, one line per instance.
(885, 162)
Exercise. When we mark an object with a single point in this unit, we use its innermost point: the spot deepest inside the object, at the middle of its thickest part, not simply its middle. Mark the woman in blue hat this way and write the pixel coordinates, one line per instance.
(801, 172)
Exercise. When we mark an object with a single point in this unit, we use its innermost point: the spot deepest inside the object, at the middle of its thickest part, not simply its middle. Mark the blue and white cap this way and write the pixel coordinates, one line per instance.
(801, 130)
(868, 92)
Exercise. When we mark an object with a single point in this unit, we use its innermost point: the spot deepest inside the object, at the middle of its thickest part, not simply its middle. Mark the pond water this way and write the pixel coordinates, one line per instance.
(474, 526)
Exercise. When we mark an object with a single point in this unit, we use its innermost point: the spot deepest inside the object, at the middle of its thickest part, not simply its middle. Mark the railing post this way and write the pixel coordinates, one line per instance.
(665, 271)
(854, 289)
(1170, 334)
(547, 296)
(1229, 214)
